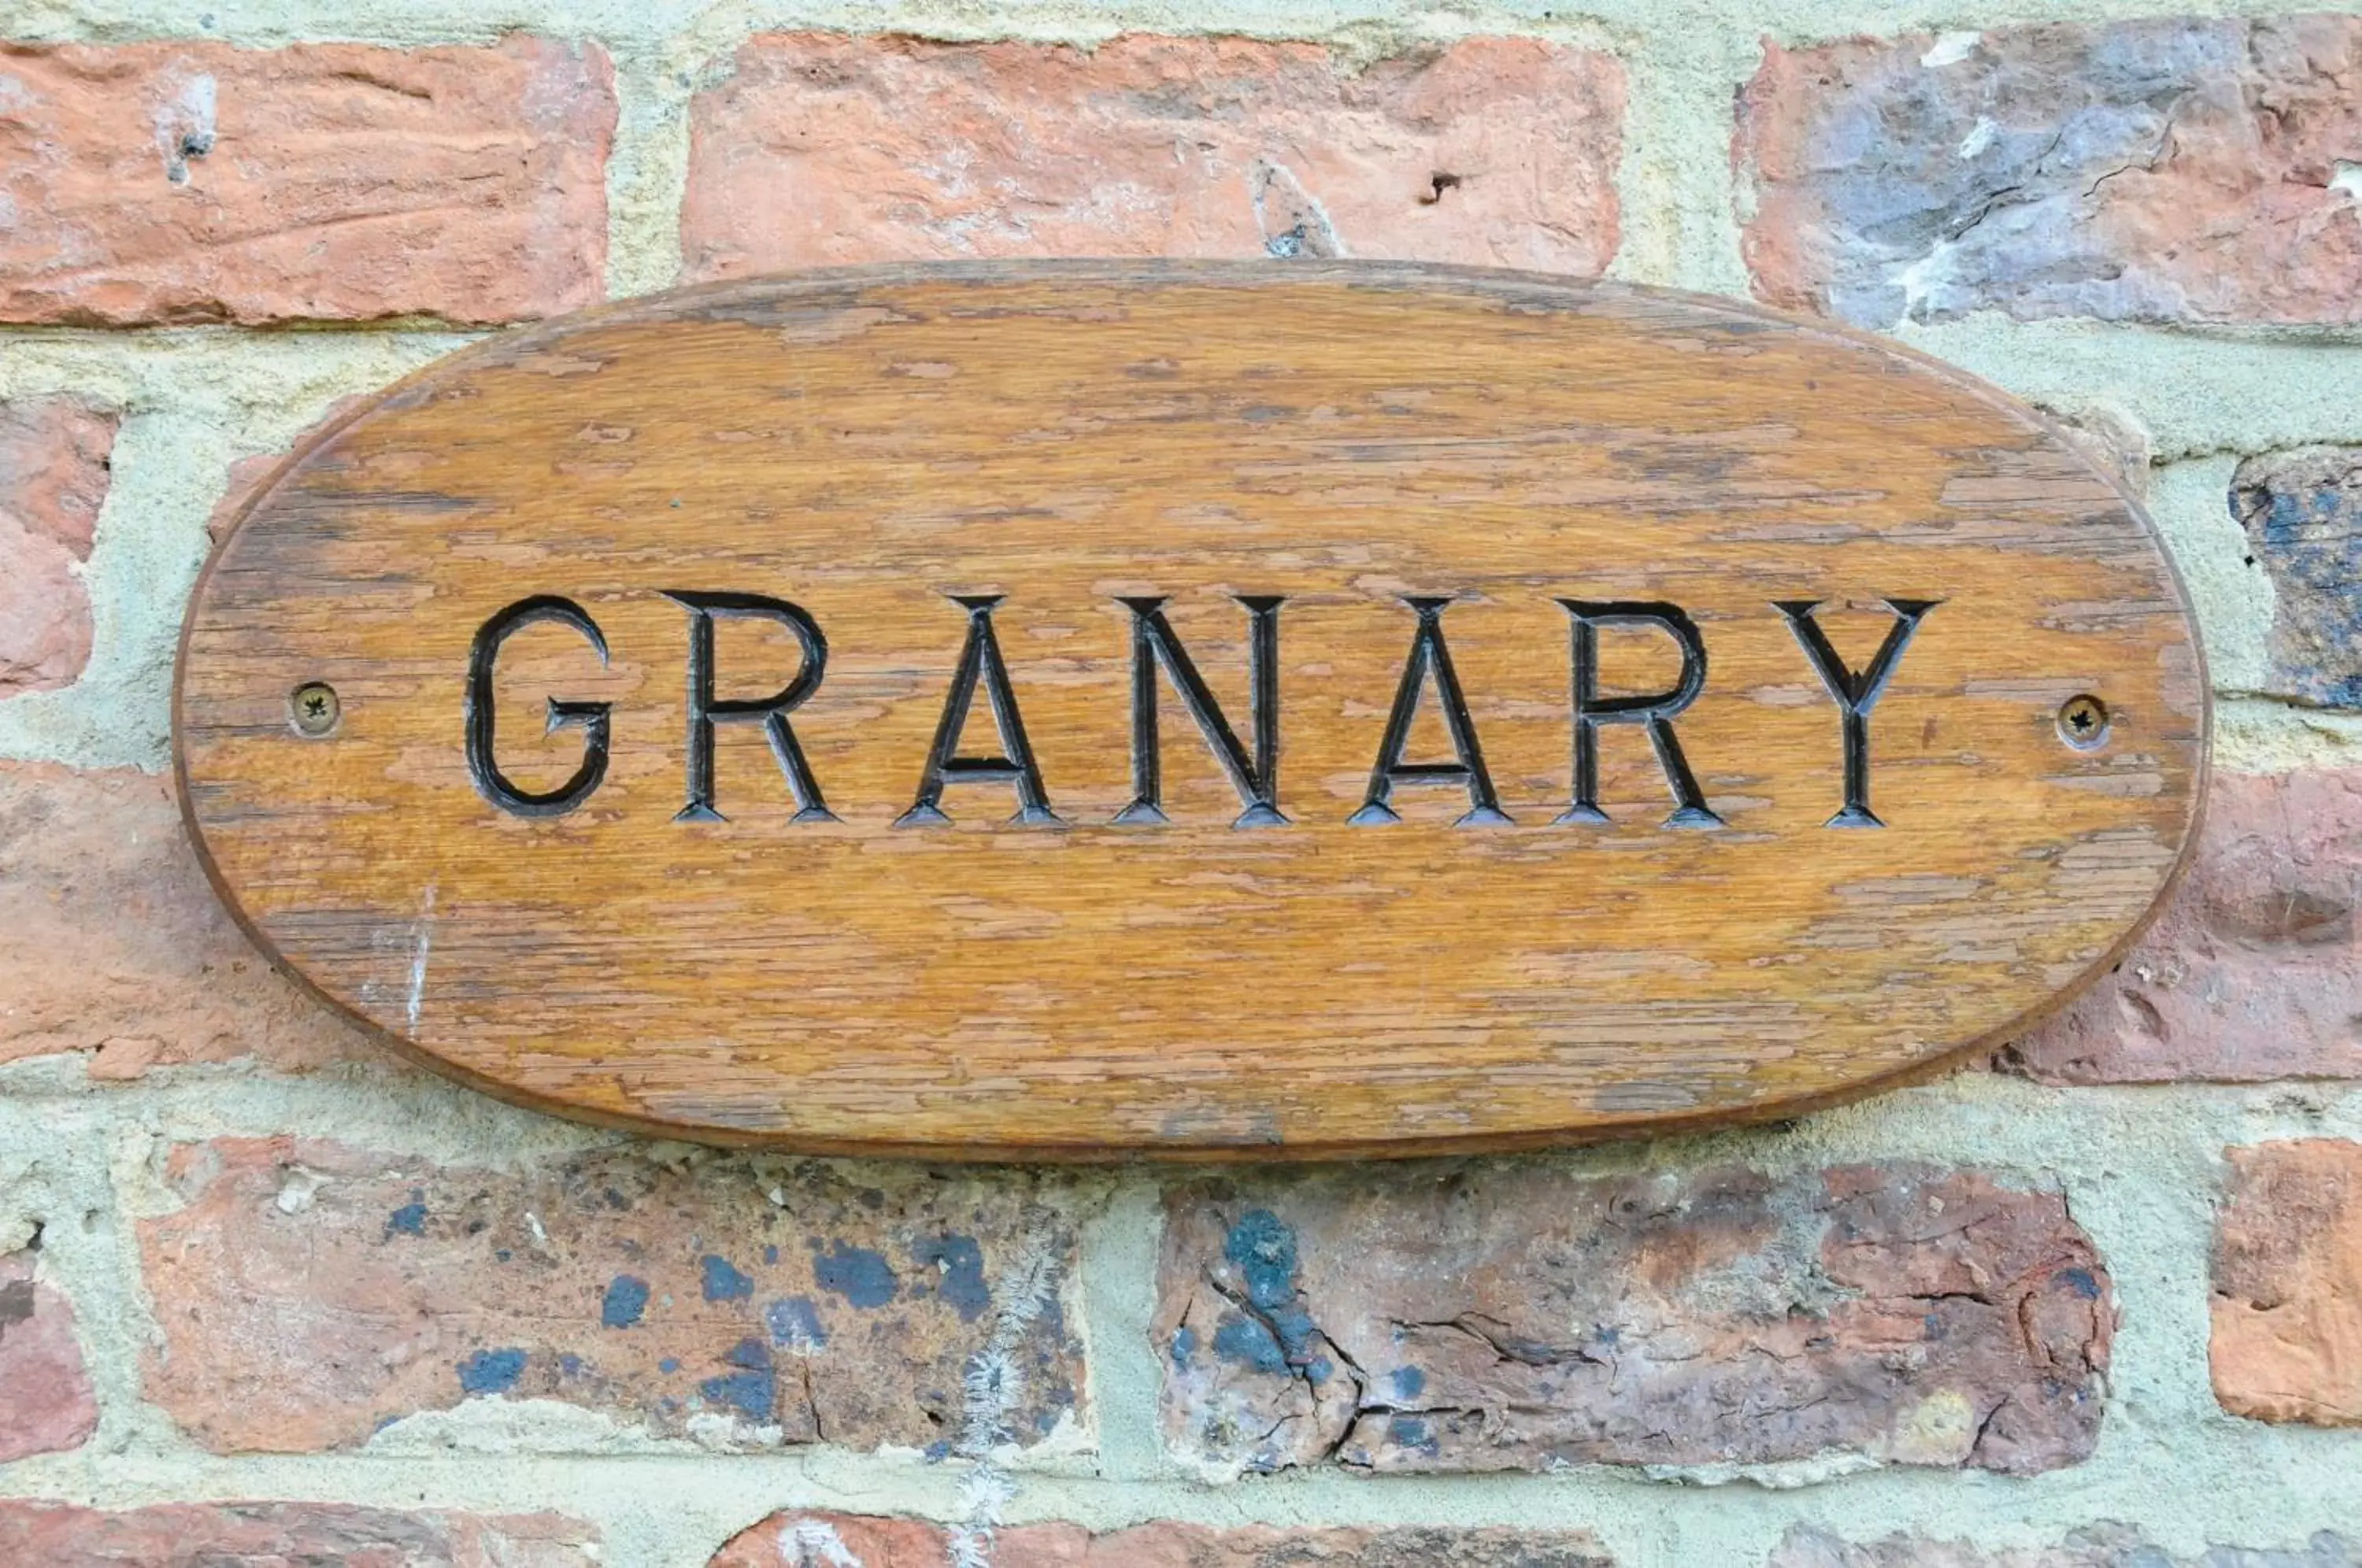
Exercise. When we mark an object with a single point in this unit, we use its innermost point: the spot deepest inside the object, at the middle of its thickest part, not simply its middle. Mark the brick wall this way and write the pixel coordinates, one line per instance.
(268, 1293)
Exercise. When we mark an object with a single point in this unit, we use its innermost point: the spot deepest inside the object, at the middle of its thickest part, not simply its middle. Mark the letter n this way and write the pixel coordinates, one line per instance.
(1153, 643)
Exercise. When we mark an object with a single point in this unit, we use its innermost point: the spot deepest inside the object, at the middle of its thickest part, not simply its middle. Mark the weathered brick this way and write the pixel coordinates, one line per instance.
(2288, 1283)
(2102, 1546)
(112, 942)
(2172, 170)
(2250, 973)
(1518, 1317)
(46, 1403)
(309, 1292)
(54, 478)
(842, 1541)
(205, 1535)
(2302, 513)
(822, 150)
(189, 181)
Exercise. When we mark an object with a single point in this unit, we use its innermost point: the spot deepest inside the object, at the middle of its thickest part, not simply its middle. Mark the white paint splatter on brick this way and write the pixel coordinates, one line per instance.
(184, 125)
(995, 1384)
(2347, 178)
(297, 1187)
(1293, 222)
(814, 1543)
(1950, 49)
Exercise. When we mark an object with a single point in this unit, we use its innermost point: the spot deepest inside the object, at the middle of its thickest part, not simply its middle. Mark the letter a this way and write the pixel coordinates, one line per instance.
(1427, 653)
(980, 660)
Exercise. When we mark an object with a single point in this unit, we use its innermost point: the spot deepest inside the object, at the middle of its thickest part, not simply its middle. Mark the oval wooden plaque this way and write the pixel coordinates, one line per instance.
(1081, 710)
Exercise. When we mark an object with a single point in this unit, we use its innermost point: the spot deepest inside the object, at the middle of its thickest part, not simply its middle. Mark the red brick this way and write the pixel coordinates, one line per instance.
(2101, 1546)
(2288, 1283)
(188, 182)
(46, 1403)
(1523, 1318)
(204, 1535)
(308, 1292)
(2300, 509)
(54, 479)
(2251, 972)
(822, 150)
(2170, 170)
(793, 1540)
(115, 944)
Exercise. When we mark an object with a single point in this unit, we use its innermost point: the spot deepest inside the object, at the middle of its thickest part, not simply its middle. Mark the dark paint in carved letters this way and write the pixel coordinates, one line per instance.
(1024, 710)
(1154, 645)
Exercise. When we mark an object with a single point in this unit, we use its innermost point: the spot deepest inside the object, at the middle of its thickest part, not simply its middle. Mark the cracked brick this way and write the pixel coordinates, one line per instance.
(2167, 170)
(1519, 1318)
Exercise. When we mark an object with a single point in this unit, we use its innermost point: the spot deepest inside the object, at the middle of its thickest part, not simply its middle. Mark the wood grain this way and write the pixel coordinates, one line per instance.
(870, 444)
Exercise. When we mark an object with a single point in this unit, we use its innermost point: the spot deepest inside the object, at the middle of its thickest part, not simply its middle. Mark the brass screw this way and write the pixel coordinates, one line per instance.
(315, 707)
(2084, 723)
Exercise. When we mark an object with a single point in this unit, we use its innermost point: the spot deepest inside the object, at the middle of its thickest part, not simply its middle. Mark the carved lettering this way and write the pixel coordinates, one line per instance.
(1856, 691)
(705, 710)
(1430, 656)
(1252, 771)
(1153, 643)
(1657, 711)
(483, 655)
(980, 661)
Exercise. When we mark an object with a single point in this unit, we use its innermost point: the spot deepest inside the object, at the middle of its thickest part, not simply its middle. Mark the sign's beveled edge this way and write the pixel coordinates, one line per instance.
(1406, 276)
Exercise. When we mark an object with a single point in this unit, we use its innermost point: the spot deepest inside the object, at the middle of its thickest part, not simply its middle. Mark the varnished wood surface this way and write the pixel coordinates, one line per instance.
(868, 444)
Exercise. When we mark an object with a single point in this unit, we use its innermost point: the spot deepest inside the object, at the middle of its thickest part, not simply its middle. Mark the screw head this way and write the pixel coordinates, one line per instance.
(313, 709)
(2084, 723)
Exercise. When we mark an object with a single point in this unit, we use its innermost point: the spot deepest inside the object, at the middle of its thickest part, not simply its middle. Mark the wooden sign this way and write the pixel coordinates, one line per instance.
(1081, 710)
